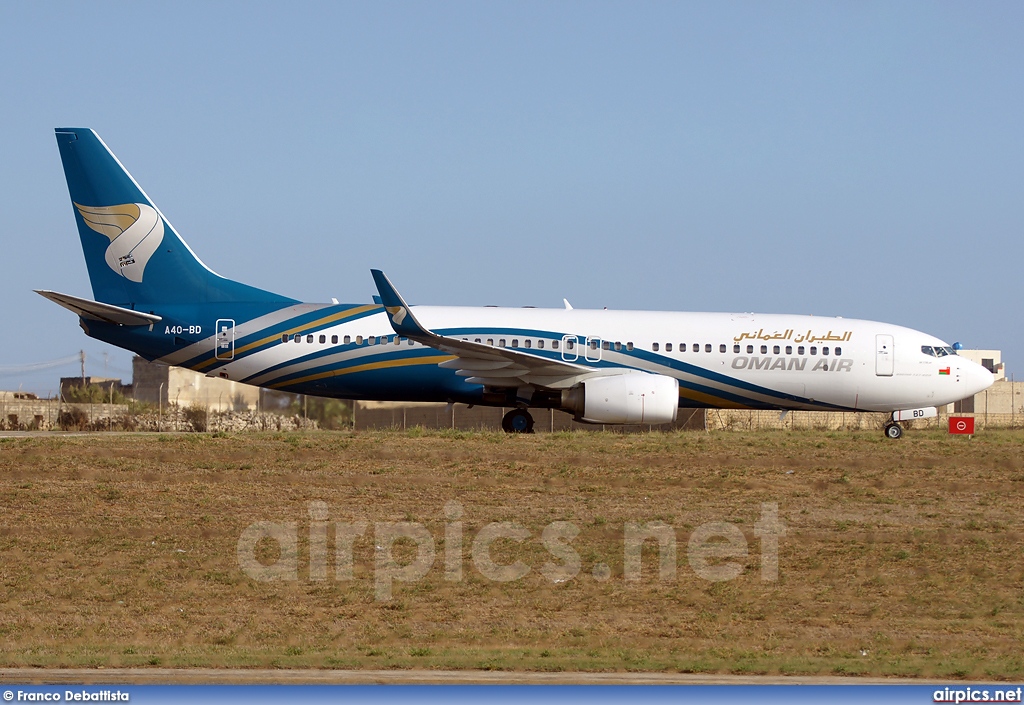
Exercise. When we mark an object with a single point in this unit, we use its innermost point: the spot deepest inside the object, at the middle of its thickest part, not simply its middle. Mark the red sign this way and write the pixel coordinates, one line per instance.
(961, 424)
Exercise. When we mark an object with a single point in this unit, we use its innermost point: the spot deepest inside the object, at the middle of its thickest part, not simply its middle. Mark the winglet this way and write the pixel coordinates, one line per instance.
(399, 313)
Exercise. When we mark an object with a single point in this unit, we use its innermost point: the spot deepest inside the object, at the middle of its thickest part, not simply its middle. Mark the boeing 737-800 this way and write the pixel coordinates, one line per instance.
(155, 297)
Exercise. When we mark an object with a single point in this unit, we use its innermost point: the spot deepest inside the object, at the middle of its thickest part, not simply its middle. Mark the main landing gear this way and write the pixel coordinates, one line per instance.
(517, 421)
(893, 430)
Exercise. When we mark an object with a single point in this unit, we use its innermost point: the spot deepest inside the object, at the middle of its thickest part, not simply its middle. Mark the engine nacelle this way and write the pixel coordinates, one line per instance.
(632, 398)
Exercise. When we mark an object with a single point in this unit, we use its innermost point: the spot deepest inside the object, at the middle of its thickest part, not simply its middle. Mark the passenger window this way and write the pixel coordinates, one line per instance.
(501, 342)
(540, 344)
(570, 344)
(814, 350)
(554, 345)
(411, 343)
(618, 345)
(707, 347)
(334, 340)
(490, 341)
(608, 346)
(654, 347)
(800, 350)
(682, 347)
(593, 345)
(297, 338)
(696, 347)
(839, 351)
(721, 348)
(824, 351)
(359, 340)
(528, 343)
(347, 339)
(789, 349)
(750, 349)
(515, 342)
(629, 347)
(776, 350)
(284, 338)
(309, 338)
(323, 339)
(736, 348)
(476, 340)
(398, 341)
(668, 347)
(764, 349)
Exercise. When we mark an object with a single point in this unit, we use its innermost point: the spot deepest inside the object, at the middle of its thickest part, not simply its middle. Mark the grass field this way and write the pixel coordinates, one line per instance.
(899, 558)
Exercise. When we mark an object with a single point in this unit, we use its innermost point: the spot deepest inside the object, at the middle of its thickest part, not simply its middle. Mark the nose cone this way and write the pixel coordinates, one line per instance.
(976, 378)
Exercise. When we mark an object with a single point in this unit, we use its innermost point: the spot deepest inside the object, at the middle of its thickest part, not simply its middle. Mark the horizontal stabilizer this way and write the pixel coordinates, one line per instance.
(100, 311)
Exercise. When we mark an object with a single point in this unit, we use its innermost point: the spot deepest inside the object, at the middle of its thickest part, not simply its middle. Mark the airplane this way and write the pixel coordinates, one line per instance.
(155, 297)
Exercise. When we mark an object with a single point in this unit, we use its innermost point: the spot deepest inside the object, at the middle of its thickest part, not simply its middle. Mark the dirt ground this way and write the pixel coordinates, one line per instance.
(894, 558)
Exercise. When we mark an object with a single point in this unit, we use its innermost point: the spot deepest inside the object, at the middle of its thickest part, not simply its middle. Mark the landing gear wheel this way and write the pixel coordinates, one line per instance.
(517, 421)
(893, 430)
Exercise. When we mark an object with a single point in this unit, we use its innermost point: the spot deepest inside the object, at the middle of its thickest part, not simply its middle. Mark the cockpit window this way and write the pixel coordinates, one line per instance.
(940, 352)
(927, 350)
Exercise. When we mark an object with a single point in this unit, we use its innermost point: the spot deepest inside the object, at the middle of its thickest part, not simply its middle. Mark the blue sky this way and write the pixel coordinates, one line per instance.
(862, 159)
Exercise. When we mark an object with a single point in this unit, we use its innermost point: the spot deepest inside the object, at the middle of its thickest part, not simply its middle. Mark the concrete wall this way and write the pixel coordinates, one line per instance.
(1000, 406)
(1005, 397)
(383, 415)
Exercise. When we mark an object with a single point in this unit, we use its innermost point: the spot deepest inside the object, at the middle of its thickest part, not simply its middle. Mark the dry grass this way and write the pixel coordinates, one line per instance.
(901, 558)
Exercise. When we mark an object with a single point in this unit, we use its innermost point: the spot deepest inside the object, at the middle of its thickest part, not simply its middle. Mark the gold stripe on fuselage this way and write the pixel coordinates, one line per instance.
(291, 331)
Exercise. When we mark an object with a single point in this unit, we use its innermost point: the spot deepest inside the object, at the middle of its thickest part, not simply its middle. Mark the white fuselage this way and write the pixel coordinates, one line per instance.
(721, 360)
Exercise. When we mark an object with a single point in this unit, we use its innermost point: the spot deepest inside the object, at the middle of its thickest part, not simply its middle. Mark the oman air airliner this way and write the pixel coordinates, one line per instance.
(152, 295)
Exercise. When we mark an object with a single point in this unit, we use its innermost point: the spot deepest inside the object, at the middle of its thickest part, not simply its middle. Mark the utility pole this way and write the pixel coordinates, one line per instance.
(81, 355)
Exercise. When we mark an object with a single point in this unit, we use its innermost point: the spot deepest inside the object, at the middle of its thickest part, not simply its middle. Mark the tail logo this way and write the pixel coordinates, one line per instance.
(135, 231)
(397, 314)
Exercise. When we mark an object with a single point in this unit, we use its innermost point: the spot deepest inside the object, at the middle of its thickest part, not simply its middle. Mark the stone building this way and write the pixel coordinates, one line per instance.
(160, 384)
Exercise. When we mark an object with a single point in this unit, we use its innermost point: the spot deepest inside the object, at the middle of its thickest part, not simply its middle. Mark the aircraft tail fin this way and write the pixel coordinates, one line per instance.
(133, 254)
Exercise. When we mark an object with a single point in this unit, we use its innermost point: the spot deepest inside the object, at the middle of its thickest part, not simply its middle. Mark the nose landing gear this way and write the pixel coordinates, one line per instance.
(893, 430)
(517, 421)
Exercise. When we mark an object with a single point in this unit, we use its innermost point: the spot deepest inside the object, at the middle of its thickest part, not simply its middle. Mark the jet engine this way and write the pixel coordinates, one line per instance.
(631, 398)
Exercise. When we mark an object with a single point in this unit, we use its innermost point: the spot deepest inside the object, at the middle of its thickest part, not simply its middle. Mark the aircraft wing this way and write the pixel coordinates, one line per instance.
(100, 311)
(479, 363)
